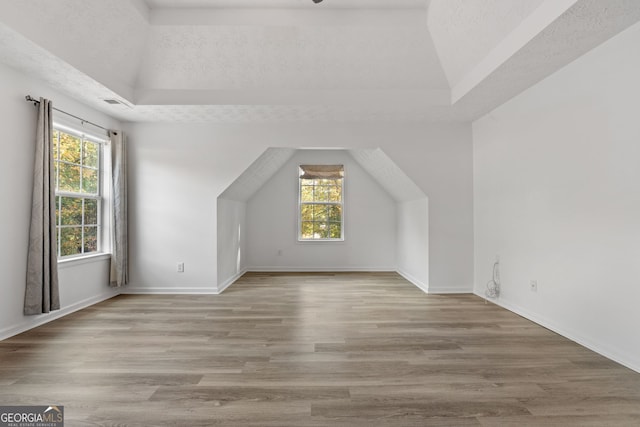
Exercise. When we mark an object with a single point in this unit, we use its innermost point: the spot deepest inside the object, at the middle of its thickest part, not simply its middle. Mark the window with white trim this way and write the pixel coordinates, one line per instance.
(321, 203)
(78, 164)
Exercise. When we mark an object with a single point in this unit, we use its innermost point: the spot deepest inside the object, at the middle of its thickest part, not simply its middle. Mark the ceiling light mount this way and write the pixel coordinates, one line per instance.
(317, 1)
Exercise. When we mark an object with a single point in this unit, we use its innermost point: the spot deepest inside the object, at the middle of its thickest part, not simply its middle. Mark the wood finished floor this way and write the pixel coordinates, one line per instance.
(356, 349)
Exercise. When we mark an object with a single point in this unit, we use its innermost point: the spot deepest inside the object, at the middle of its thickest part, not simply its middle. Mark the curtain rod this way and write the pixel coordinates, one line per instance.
(29, 98)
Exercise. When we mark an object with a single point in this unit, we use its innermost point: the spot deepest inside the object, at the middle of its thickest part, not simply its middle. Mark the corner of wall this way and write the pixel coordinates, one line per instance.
(412, 279)
(230, 281)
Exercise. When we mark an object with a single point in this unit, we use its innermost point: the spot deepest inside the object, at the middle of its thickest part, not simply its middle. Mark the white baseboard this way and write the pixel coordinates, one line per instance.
(224, 285)
(630, 361)
(450, 290)
(31, 322)
(176, 290)
(424, 287)
(285, 269)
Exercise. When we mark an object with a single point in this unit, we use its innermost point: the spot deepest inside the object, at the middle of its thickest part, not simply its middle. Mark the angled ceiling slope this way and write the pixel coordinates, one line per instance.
(294, 61)
(387, 174)
(259, 172)
(374, 161)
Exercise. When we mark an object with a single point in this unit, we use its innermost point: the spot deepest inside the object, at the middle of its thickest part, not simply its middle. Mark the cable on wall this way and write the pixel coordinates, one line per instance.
(493, 285)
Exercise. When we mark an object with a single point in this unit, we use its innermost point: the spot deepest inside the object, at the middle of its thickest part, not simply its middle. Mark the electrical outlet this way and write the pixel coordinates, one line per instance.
(181, 267)
(533, 285)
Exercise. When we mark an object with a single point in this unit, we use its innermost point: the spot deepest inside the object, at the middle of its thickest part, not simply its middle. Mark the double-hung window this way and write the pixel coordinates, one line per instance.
(321, 202)
(78, 163)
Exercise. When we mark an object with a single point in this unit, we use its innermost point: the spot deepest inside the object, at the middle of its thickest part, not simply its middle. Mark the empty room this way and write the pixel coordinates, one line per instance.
(320, 212)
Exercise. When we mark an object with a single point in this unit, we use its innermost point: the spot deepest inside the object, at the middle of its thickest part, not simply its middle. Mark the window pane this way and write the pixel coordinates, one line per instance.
(335, 213)
(307, 230)
(70, 241)
(320, 230)
(89, 181)
(319, 213)
(320, 204)
(335, 194)
(321, 193)
(306, 193)
(90, 154)
(69, 178)
(77, 167)
(71, 211)
(69, 148)
(90, 239)
(90, 212)
(335, 230)
(306, 212)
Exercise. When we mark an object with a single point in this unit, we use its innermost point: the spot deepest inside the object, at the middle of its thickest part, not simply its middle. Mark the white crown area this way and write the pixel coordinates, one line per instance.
(271, 61)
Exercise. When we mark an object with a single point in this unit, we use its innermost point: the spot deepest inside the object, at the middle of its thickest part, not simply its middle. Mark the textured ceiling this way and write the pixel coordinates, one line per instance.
(288, 4)
(273, 61)
(251, 57)
(102, 39)
(586, 24)
(466, 31)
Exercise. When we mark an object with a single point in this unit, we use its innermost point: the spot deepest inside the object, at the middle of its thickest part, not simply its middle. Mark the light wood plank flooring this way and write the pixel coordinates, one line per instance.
(354, 349)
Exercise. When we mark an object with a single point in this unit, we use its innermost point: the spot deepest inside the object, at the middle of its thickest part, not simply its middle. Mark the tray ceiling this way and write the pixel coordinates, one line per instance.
(272, 61)
(288, 4)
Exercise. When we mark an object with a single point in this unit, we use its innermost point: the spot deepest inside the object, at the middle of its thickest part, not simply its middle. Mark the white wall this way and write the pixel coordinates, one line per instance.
(172, 210)
(413, 243)
(557, 196)
(369, 222)
(179, 170)
(80, 284)
(232, 246)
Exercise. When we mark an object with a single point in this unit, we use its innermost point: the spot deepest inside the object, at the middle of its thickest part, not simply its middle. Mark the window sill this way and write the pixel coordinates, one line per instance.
(320, 242)
(69, 262)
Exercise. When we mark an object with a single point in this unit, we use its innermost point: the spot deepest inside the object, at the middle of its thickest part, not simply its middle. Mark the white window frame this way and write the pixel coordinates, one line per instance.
(70, 129)
(341, 204)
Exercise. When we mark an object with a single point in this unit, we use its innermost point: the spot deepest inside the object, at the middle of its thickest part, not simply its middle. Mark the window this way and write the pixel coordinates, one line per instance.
(77, 162)
(321, 202)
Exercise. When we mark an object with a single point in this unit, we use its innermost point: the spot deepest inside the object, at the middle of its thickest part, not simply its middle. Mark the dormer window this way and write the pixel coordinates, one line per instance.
(321, 202)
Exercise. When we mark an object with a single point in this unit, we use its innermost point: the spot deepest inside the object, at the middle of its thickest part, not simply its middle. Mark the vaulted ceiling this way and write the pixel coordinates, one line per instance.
(240, 61)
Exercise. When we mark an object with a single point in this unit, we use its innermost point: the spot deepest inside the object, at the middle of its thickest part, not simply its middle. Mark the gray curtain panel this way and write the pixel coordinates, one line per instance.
(41, 294)
(119, 220)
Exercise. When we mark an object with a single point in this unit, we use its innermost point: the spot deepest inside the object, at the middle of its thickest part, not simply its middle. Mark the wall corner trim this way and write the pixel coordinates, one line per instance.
(451, 290)
(424, 287)
(230, 281)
